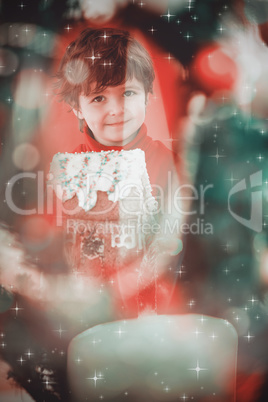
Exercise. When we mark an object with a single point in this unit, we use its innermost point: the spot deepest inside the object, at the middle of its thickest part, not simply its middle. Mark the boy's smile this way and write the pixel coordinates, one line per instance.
(115, 114)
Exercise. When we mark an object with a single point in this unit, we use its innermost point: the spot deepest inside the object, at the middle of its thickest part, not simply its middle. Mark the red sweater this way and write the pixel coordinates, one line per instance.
(159, 159)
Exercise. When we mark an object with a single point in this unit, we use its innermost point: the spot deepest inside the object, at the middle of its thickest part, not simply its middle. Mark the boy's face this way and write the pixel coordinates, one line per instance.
(115, 114)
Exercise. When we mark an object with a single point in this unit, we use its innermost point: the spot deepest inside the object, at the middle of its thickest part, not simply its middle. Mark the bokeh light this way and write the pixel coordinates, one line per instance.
(214, 69)
(31, 89)
(26, 156)
(76, 71)
(36, 233)
(8, 62)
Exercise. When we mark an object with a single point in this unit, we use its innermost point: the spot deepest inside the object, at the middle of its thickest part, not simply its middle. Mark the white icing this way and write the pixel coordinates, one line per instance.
(118, 173)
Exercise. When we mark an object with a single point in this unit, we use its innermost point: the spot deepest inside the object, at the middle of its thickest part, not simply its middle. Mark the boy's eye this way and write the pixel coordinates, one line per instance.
(129, 93)
(98, 99)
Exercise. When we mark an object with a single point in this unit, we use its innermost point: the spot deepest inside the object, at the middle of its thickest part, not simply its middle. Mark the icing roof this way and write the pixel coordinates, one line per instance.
(118, 173)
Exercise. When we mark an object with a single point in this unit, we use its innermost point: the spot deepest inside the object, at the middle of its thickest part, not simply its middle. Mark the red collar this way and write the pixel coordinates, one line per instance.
(140, 141)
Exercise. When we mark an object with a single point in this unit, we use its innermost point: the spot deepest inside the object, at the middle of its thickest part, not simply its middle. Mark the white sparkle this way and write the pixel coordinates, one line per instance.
(60, 330)
(188, 36)
(48, 383)
(197, 369)
(168, 15)
(107, 63)
(197, 332)
(96, 378)
(21, 360)
(249, 337)
(169, 57)
(213, 336)
(26, 30)
(223, 98)
(93, 57)
(202, 319)
(189, 6)
(191, 303)
(221, 29)
(180, 271)
(119, 332)
(252, 300)
(94, 341)
(226, 247)
(105, 36)
(217, 156)
(152, 30)
(29, 354)
(17, 309)
(231, 179)
(68, 28)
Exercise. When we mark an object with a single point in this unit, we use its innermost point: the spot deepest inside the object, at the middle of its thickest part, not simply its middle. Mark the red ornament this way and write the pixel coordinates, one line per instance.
(213, 70)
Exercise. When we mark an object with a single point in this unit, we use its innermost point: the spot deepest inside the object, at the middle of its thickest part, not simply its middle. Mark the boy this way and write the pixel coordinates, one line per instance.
(106, 77)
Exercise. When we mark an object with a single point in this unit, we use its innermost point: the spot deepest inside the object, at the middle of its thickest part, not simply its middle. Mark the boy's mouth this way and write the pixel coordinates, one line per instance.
(117, 123)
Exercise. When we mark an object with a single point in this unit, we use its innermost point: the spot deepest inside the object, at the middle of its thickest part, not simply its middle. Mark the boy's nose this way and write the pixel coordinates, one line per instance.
(116, 107)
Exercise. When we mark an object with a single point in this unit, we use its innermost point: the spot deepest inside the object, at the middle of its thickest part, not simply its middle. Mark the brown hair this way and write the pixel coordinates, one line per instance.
(105, 57)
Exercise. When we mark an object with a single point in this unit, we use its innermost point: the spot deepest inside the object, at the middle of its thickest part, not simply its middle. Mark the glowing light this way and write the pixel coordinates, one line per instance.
(76, 71)
(36, 232)
(214, 70)
(26, 156)
(196, 105)
(30, 89)
(8, 62)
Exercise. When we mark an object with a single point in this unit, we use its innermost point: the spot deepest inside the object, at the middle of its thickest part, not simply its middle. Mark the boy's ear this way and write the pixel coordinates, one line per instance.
(78, 113)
